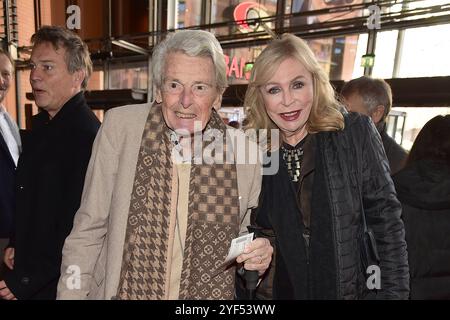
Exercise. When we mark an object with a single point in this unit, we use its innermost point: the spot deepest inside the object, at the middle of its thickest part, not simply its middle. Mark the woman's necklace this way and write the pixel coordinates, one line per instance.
(293, 158)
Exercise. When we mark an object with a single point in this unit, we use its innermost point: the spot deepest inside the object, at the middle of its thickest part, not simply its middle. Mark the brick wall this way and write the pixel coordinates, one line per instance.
(25, 17)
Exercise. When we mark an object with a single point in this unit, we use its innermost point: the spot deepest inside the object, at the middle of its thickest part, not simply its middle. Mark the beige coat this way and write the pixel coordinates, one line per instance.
(94, 248)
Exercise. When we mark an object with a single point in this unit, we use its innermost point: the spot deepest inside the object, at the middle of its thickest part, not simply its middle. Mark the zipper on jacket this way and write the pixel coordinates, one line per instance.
(309, 282)
(306, 237)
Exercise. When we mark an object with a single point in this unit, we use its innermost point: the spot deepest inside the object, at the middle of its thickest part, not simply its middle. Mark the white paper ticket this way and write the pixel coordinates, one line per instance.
(236, 248)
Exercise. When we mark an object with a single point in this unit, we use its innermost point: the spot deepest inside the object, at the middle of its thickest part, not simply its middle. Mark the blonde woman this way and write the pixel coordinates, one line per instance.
(333, 176)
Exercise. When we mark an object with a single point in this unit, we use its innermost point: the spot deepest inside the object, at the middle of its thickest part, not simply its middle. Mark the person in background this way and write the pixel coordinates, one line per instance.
(154, 226)
(51, 169)
(10, 147)
(333, 173)
(373, 97)
(423, 188)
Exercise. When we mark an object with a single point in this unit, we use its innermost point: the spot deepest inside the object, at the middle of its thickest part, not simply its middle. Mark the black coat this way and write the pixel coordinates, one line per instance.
(350, 168)
(7, 172)
(396, 155)
(424, 191)
(50, 177)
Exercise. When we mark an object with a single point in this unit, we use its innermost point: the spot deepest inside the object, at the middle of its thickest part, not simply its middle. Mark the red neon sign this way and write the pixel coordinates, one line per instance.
(236, 67)
(248, 10)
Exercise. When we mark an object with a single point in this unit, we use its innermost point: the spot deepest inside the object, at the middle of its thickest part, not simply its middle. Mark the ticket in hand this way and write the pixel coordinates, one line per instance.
(236, 248)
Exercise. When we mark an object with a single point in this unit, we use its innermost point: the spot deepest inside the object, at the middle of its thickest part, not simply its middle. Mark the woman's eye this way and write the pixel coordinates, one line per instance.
(298, 85)
(273, 90)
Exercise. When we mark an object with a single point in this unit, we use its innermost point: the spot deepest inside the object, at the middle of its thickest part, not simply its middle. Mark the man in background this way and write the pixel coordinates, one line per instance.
(373, 97)
(51, 170)
(9, 154)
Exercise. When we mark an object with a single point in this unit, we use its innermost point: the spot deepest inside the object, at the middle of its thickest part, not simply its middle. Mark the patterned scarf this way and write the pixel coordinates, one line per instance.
(213, 221)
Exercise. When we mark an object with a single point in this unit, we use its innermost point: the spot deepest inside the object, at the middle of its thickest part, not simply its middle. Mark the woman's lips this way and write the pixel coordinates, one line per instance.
(290, 116)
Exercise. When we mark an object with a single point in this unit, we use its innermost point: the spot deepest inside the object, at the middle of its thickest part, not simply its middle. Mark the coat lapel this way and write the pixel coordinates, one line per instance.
(14, 130)
(5, 149)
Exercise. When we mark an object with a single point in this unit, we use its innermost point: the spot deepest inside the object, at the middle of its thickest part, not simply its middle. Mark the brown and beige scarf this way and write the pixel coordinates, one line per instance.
(213, 221)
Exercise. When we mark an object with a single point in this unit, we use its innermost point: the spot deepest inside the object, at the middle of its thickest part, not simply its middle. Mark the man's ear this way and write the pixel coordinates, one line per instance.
(158, 96)
(79, 76)
(377, 114)
(218, 101)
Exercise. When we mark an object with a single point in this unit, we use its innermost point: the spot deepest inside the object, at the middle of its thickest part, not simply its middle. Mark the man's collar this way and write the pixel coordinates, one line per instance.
(72, 104)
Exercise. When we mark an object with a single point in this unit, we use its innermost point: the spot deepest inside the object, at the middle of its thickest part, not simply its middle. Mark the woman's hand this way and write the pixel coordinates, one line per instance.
(257, 255)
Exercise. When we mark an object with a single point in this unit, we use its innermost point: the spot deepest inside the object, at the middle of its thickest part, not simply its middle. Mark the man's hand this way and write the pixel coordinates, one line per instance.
(8, 259)
(5, 293)
(257, 255)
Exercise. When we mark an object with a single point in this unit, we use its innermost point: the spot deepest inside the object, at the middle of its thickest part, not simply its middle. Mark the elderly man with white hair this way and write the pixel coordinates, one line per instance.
(150, 227)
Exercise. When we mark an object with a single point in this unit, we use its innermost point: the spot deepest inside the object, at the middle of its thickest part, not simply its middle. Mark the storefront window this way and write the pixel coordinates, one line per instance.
(358, 70)
(425, 3)
(425, 52)
(337, 55)
(386, 45)
(297, 6)
(184, 13)
(132, 76)
(414, 120)
(239, 62)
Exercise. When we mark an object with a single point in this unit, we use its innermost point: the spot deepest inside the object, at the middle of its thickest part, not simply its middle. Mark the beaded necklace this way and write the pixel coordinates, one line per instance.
(293, 157)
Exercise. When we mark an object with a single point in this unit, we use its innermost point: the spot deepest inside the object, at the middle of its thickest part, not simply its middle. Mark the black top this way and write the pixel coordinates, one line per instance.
(423, 188)
(7, 172)
(345, 162)
(50, 177)
(396, 155)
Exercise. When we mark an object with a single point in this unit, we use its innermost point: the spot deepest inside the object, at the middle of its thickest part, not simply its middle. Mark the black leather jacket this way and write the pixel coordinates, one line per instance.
(354, 172)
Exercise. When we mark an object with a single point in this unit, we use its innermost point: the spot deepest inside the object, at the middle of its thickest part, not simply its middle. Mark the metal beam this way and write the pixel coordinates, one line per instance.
(130, 46)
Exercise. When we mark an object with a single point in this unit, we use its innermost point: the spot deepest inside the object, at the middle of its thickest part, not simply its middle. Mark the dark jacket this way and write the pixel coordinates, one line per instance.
(7, 172)
(340, 171)
(50, 177)
(396, 155)
(424, 191)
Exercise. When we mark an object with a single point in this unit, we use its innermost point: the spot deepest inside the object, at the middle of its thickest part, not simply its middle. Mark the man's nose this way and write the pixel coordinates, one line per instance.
(186, 97)
(35, 74)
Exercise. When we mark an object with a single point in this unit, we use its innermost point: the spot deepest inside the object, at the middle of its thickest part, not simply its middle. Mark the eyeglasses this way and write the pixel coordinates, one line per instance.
(197, 89)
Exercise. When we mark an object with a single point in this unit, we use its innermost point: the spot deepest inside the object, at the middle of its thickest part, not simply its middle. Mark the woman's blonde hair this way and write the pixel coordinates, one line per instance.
(325, 114)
